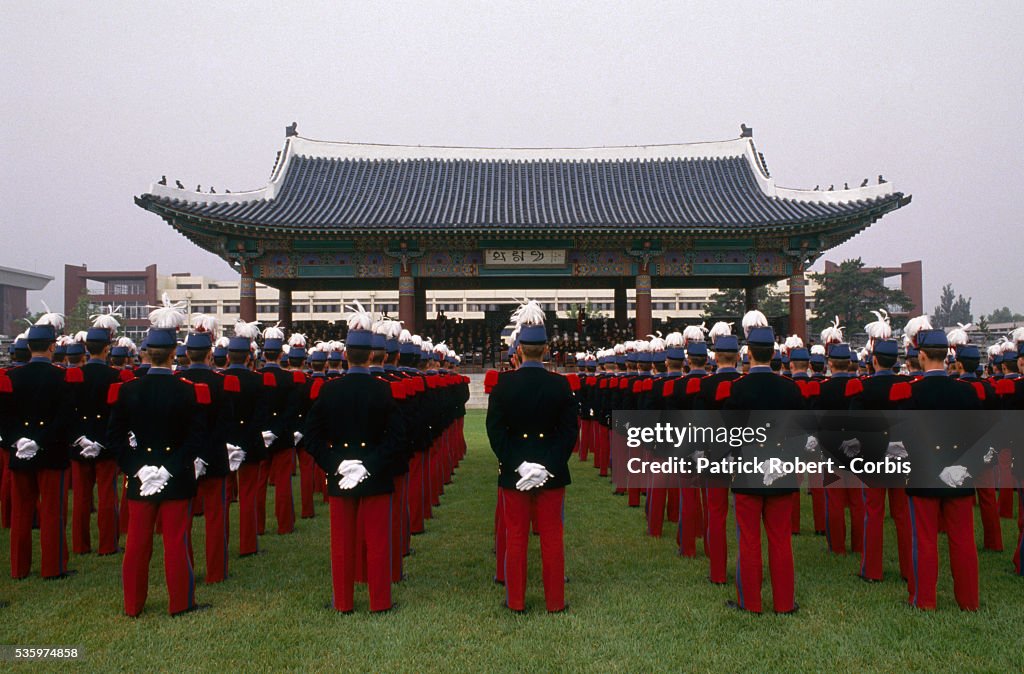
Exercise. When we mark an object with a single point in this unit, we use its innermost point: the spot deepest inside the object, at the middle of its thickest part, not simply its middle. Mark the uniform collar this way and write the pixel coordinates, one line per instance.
(96, 361)
(723, 370)
(390, 368)
(915, 373)
(377, 369)
(158, 370)
(277, 365)
(801, 375)
(1012, 375)
(843, 375)
(935, 373)
(40, 359)
(353, 369)
(755, 369)
(700, 372)
(533, 364)
(883, 373)
(968, 375)
(199, 366)
(237, 366)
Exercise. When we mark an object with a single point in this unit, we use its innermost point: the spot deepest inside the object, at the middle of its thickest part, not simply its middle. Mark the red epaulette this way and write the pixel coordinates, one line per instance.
(398, 390)
(431, 381)
(693, 386)
(490, 379)
(113, 393)
(231, 384)
(668, 388)
(73, 375)
(418, 384)
(1005, 387)
(574, 381)
(5, 383)
(900, 391)
(638, 386)
(624, 383)
(202, 393)
(314, 390)
(979, 389)
(648, 384)
(854, 387)
(724, 390)
(298, 377)
(269, 379)
(603, 383)
(126, 375)
(591, 380)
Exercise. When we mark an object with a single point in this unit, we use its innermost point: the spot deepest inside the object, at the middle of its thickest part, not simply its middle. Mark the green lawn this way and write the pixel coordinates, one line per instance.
(635, 605)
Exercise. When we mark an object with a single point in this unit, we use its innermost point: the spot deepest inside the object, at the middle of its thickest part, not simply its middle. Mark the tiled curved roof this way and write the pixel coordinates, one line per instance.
(398, 193)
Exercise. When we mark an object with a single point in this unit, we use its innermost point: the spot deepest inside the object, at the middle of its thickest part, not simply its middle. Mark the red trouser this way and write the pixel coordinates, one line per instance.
(281, 464)
(372, 516)
(1006, 482)
(774, 510)
(499, 539)
(874, 518)
(815, 486)
(48, 488)
(993, 532)
(175, 519)
(397, 517)
(248, 500)
(690, 520)
(958, 515)
(672, 505)
(102, 474)
(516, 506)
(417, 492)
(602, 454)
(1019, 552)
(306, 482)
(714, 535)
(261, 496)
(213, 493)
(656, 499)
(837, 500)
(5, 490)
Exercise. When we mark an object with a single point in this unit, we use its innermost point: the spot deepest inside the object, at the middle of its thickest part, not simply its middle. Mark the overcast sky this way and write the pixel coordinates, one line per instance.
(100, 99)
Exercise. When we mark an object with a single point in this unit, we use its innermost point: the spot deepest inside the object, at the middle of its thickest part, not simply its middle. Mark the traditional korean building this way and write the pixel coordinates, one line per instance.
(366, 217)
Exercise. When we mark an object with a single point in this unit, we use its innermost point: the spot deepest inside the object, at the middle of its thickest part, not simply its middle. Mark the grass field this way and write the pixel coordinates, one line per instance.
(635, 605)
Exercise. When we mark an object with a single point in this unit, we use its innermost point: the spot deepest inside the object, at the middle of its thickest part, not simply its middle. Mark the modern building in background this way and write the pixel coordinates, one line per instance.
(14, 287)
(133, 291)
(906, 277)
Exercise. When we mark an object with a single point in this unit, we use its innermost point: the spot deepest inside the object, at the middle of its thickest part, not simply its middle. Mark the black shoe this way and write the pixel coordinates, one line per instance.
(564, 609)
(252, 554)
(195, 608)
(819, 533)
(868, 580)
(4, 604)
(499, 582)
(796, 607)
(517, 611)
(108, 554)
(389, 609)
(62, 576)
(717, 582)
(736, 607)
(330, 607)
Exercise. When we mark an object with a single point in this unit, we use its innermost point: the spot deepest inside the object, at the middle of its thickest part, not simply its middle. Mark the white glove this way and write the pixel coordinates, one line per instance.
(954, 476)
(132, 442)
(771, 476)
(297, 438)
(154, 481)
(812, 444)
(896, 450)
(533, 475)
(26, 448)
(851, 448)
(200, 467)
(345, 466)
(354, 474)
(82, 442)
(990, 455)
(235, 456)
(91, 450)
(268, 438)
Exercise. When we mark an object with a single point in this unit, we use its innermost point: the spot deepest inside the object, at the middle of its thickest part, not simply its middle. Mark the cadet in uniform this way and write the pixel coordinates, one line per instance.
(532, 427)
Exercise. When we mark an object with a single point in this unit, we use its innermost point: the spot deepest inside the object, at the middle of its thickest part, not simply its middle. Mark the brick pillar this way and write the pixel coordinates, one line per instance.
(644, 321)
(284, 308)
(407, 300)
(420, 304)
(797, 304)
(247, 295)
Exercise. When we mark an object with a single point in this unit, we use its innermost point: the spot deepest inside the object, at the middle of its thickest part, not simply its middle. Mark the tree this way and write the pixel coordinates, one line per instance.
(952, 308)
(852, 292)
(731, 303)
(1004, 315)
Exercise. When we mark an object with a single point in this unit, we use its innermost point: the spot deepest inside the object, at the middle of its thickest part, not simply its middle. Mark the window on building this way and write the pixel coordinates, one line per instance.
(266, 308)
(232, 308)
(663, 306)
(326, 308)
(392, 307)
(204, 308)
(126, 287)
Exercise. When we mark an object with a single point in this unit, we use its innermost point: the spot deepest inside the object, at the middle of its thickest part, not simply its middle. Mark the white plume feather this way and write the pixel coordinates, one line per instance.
(222, 342)
(916, 325)
(818, 349)
(51, 318)
(394, 330)
(1017, 335)
(108, 321)
(168, 316)
(753, 319)
(657, 344)
(404, 337)
(958, 336)
(358, 318)
(719, 329)
(833, 334)
(204, 323)
(273, 332)
(693, 333)
(417, 340)
(675, 340)
(248, 331)
(297, 339)
(529, 313)
(619, 349)
(879, 329)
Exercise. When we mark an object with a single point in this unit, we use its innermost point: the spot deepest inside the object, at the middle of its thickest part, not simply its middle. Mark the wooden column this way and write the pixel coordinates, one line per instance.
(750, 297)
(284, 308)
(644, 321)
(407, 300)
(620, 307)
(797, 303)
(247, 295)
(420, 304)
